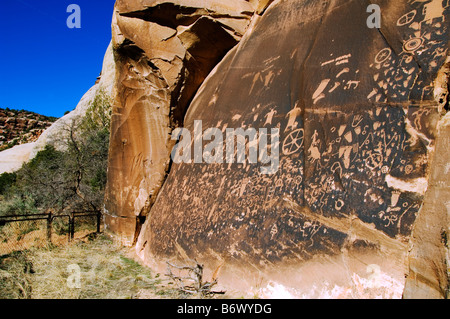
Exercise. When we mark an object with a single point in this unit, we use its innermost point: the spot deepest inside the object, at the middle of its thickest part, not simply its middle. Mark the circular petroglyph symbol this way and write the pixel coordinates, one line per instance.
(293, 142)
(383, 55)
(409, 169)
(407, 58)
(339, 204)
(412, 44)
(406, 18)
(385, 169)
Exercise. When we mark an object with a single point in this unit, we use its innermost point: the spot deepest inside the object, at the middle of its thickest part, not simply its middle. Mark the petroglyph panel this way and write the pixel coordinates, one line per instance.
(357, 117)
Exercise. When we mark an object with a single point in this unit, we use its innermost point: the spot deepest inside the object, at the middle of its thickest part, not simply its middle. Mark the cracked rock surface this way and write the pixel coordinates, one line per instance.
(163, 51)
(363, 143)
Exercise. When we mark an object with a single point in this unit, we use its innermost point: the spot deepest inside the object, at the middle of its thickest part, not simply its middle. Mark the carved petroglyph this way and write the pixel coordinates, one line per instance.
(269, 117)
(349, 225)
(344, 79)
(398, 75)
(292, 115)
(407, 18)
(338, 61)
(293, 142)
(353, 170)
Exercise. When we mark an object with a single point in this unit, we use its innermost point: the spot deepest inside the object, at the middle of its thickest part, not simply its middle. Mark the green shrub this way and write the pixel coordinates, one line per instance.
(64, 181)
(6, 181)
(18, 204)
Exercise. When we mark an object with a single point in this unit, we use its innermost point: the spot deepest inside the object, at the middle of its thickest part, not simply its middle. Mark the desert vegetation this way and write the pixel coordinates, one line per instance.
(106, 271)
(59, 181)
(62, 181)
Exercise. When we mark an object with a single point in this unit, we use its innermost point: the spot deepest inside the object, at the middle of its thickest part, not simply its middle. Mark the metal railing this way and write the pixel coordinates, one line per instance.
(17, 232)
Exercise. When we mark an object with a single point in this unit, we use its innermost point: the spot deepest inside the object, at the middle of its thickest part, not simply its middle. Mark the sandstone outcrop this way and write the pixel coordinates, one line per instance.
(21, 127)
(19, 130)
(360, 198)
(164, 51)
(12, 159)
(429, 257)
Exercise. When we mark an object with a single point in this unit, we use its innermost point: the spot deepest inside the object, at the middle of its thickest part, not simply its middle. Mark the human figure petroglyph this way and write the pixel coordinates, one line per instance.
(417, 116)
(269, 117)
(265, 78)
(292, 115)
(314, 149)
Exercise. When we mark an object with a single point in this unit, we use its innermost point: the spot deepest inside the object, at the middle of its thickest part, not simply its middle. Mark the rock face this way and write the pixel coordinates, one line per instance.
(12, 159)
(359, 198)
(21, 127)
(164, 51)
(429, 259)
(19, 130)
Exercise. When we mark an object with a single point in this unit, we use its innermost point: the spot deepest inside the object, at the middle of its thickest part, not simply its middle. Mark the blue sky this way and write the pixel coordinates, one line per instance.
(45, 67)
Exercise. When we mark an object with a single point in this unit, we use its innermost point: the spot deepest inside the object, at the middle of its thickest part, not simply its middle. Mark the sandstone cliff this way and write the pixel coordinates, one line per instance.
(19, 130)
(163, 52)
(360, 199)
(21, 127)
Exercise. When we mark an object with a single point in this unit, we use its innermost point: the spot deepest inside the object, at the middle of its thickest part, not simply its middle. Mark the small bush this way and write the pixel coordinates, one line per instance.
(6, 181)
(18, 204)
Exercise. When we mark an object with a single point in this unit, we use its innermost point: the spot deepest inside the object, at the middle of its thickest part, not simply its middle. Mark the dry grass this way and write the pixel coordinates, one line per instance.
(15, 277)
(35, 239)
(19, 236)
(106, 273)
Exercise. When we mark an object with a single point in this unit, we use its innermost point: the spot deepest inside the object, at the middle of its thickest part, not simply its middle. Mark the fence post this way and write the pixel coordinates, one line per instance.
(99, 218)
(72, 226)
(69, 232)
(49, 227)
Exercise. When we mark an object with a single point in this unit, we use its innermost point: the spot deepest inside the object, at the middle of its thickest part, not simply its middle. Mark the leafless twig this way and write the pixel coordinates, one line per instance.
(192, 283)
